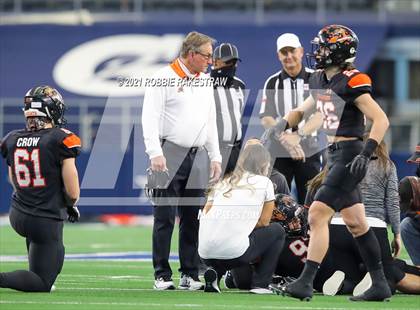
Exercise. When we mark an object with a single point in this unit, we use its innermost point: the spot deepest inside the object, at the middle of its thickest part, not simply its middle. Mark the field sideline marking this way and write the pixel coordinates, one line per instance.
(134, 256)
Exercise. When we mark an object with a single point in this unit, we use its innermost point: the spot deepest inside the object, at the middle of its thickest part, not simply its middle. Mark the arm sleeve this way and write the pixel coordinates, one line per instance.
(212, 142)
(358, 85)
(269, 194)
(3, 148)
(310, 196)
(70, 146)
(242, 89)
(280, 183)
(268, 103)
(153, 107)
(392, 200)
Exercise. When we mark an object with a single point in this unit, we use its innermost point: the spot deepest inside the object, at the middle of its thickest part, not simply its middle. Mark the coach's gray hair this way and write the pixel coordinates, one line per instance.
(193, 41)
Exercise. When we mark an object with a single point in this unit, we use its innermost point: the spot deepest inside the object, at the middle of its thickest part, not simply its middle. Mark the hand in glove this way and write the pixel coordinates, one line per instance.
(359, 165)
(73, 214)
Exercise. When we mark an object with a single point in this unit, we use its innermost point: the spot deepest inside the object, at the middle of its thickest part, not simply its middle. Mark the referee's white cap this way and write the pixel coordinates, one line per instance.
(288, 40)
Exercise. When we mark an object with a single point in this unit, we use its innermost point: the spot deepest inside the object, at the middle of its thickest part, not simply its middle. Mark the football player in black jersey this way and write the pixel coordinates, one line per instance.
(42, 171)
(342, 97)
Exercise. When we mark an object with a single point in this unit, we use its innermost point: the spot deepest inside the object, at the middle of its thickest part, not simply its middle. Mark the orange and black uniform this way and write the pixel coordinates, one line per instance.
(335, 99)
(38, 205)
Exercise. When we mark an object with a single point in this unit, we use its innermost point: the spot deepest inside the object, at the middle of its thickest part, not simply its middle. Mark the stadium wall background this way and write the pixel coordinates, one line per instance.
(87, 62)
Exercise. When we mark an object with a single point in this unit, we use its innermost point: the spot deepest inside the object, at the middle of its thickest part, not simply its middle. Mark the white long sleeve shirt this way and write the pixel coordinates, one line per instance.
(180, 113)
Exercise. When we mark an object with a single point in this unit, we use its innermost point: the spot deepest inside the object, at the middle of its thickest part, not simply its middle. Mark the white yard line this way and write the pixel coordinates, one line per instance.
(100, 256)
(141, 304)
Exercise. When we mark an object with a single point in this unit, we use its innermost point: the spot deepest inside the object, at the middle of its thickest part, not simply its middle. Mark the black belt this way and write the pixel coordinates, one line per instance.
(341, 144)
(190, 150)
(230, 144)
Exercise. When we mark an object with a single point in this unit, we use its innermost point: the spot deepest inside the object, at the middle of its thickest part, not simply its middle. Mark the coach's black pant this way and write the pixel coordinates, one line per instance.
(188, 170)
(44, 242)
(301, 171)
(230, 154)
(265, 245)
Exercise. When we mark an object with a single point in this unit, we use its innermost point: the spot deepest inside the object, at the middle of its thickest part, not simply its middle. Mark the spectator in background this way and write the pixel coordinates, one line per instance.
(229, 96)
(415, 159)
(380, 195)
(235, 227)
(296, 155)
(409, 189)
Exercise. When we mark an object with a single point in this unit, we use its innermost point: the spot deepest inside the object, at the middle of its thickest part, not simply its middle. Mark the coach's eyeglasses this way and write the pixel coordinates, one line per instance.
(206, 56)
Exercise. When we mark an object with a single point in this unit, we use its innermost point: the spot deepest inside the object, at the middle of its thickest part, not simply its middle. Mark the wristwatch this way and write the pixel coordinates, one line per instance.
(300, 134)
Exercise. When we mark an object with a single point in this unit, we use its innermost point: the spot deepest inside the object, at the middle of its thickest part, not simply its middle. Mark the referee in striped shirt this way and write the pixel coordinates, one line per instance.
(297, 153)
(229, 99)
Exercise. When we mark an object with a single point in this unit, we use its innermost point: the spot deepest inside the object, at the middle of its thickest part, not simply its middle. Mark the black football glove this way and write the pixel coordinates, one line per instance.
(359, 166)
(73, 214)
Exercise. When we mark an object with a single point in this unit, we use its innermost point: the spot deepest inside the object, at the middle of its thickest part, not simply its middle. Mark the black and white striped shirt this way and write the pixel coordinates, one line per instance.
(282, 93)
(230, 100)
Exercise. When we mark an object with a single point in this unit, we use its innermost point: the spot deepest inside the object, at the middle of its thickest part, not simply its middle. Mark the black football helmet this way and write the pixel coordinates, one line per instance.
(45, 102)
(292, 216)
(333, 46)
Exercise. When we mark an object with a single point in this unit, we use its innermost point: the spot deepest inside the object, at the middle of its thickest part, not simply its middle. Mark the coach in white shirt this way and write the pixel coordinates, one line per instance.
(180, 135)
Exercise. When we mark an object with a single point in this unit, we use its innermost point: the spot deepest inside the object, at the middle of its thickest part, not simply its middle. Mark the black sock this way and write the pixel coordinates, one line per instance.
(371, 254)
(309, 271)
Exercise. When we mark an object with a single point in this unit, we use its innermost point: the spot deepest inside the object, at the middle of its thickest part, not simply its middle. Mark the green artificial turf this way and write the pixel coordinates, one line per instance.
(128, 285)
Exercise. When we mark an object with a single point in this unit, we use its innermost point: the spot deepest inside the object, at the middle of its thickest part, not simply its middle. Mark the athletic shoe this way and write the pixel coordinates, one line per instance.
(189, 283)
(333, 284)
(53, 288)
(210, 278)
(162, 284)
(282, 280)
(378, 292)
(228, 280)
(297, 289)
(363, 285)
(260, 291)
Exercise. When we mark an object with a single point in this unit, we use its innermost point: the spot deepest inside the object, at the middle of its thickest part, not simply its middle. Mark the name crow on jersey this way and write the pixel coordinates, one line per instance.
(42, 171)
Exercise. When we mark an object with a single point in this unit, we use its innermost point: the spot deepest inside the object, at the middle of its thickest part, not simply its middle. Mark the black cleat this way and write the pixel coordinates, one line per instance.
(378, 292)
(211, 281)
(228, 279)
(295, 289)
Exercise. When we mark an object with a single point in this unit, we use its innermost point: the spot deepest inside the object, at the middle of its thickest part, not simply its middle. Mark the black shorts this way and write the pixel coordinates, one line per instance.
(340, 189)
